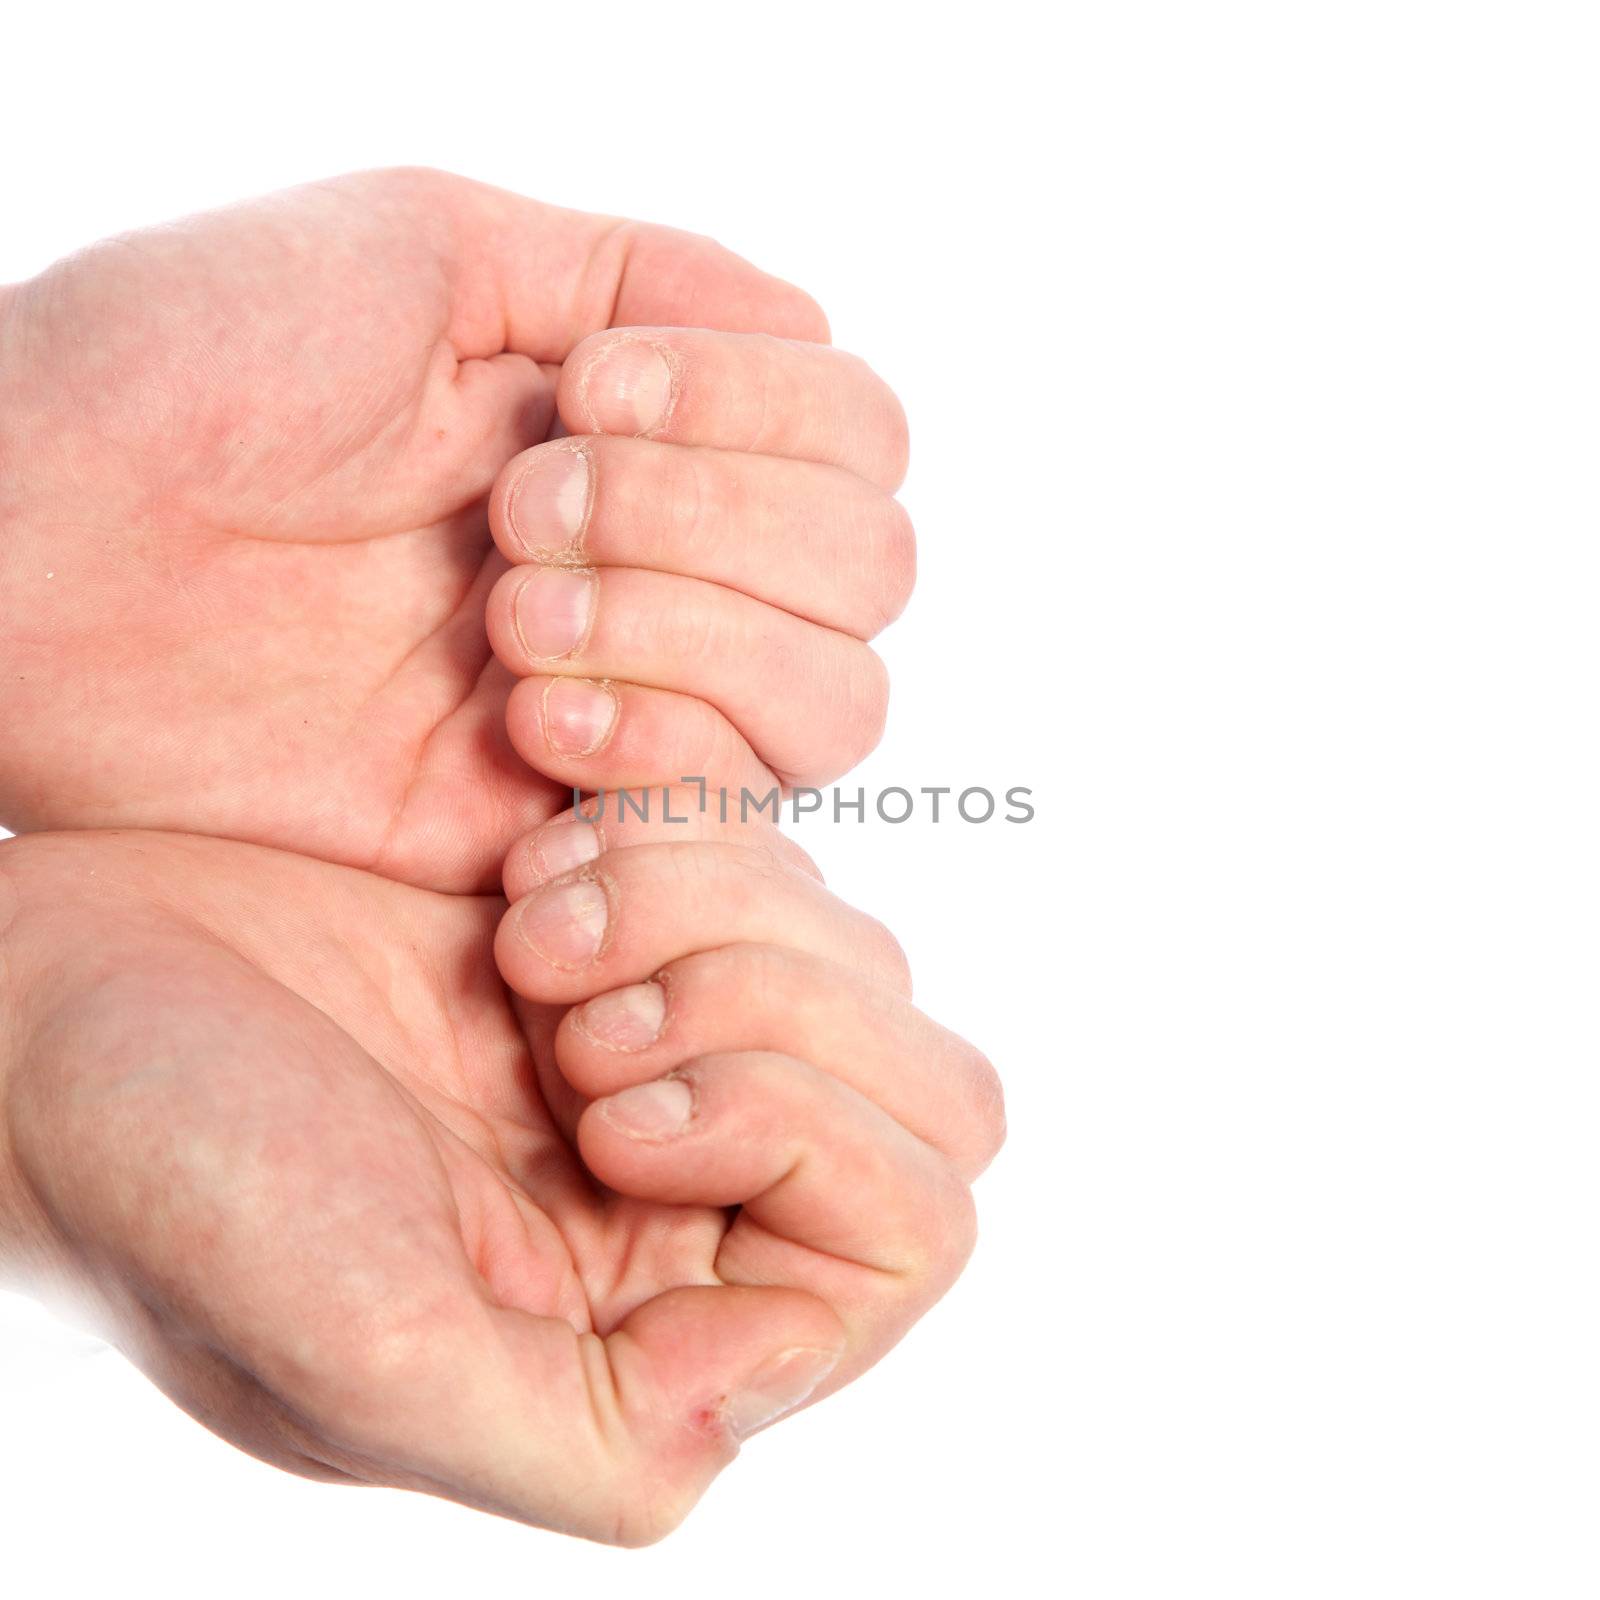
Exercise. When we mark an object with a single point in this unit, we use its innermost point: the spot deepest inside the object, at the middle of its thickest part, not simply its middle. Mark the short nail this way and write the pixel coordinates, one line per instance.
(578, 715)
(777, 1387)
(549, 501)
(651, 1110)
(553, 609)
(561, 846)
(628, 388)
(625, 1019)
(565, 924)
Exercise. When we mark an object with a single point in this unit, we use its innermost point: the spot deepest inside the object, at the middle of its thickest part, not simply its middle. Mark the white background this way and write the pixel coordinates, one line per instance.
(1251, 353)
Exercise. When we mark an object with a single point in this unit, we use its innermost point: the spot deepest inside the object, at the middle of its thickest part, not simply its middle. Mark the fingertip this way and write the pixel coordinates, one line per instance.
(557, 724)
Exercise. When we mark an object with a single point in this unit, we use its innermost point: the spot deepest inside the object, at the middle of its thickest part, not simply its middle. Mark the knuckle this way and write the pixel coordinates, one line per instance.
(897, 562)
(888, 428)
(959, 1237)
(900, 442)
(889, 954)
(946, 1233)
(867, 710)
(896, 437)
(986, 1107)
(712, 748)
(784, 852)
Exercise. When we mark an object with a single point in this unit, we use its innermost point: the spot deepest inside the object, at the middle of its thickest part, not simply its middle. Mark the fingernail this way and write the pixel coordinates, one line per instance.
(566, 923)
(651, 1110)
(625, 1019)
(549, 502)
(552, 611)
(779, 1386)
(578, 715)
(627, 388)
(561, 846)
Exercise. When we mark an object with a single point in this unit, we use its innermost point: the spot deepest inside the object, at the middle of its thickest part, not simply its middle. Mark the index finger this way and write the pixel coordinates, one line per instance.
(749, 392)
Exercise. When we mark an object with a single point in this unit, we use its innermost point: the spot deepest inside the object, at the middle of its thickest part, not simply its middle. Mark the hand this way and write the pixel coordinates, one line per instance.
(244, 462)
(280, 1123)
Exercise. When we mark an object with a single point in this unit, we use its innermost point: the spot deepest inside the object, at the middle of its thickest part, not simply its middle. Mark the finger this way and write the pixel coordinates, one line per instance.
(810, 701)
(536, 278)
(772, 997)
(827, 1183)
(615, 821)
(621, 918)
(747, 392)
(817, 541)
(591, 735)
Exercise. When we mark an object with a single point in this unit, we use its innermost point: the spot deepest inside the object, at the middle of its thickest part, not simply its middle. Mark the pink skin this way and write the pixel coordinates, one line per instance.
(549, 1243)
(245, 468)
(370, 1216)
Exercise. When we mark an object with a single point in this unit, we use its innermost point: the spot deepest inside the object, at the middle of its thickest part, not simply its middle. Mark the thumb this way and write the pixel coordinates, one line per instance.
(527, 282)
(536, 279)
(616, 1439)
(719, 1363)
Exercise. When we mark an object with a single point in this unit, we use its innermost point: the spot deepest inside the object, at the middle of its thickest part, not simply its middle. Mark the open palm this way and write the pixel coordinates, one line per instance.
(243, 469)
(294, 1136)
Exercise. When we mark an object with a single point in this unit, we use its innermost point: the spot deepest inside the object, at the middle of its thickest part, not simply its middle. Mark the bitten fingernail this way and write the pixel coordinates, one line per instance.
(549, 502)
(650, 1110)
(566, 924)
(627, 388)
(625, 1019)
(561, 846)
(552, 611)
(578, 715)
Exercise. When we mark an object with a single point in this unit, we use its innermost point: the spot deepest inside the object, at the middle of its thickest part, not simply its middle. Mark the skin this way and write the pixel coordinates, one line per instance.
(323, 517)
(253, 472)
(374, 1215)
